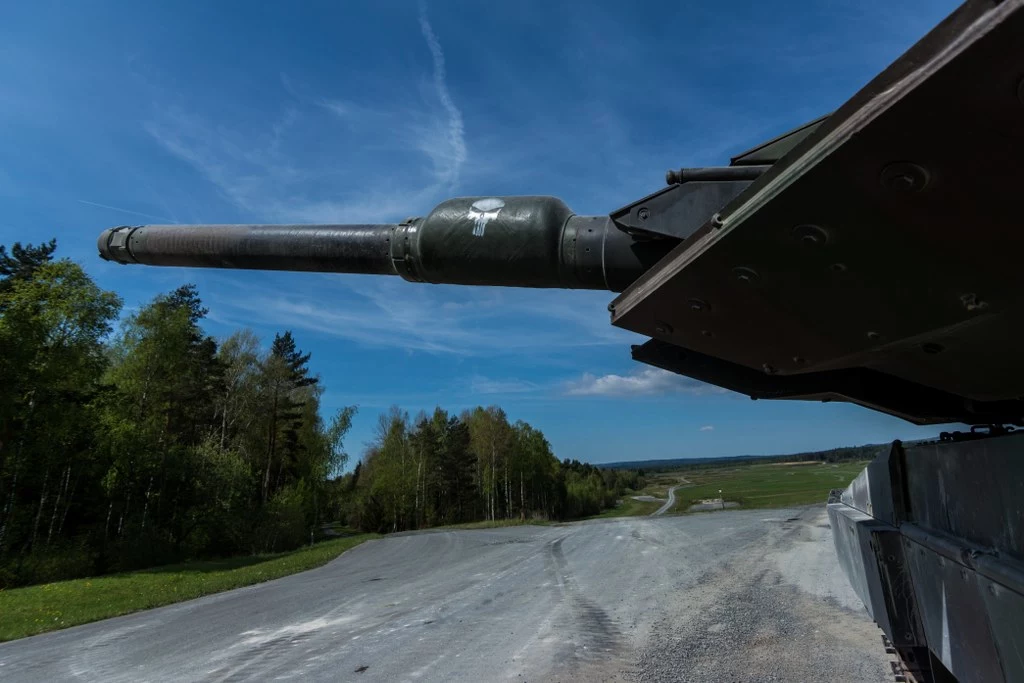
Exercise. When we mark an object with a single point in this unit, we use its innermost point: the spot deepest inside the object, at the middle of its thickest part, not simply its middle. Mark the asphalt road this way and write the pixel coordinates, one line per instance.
(728, 596)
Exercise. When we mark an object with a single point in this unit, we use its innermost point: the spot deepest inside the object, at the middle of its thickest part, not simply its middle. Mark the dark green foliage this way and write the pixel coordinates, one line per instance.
(153, 445)
(287, 376)
(443, 469)
(53, 319)
(22, 262)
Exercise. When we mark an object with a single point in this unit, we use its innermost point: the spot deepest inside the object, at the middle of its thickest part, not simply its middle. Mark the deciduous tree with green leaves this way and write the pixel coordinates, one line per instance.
(155, 443)
(53, 319)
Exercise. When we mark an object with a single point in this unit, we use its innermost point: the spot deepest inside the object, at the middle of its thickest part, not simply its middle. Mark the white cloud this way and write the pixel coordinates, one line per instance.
(643, 382)
(456, 144)
(337, 107)
(707, 428)
(487, 385)
(134, 213)
(325, 160)
(389, 312)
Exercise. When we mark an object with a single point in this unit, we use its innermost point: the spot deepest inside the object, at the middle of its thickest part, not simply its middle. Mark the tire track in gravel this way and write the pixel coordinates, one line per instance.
(589, 633)
(743, 622)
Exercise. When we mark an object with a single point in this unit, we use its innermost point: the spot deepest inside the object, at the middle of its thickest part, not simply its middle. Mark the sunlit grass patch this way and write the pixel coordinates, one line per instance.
(768, 485)
(37, 609)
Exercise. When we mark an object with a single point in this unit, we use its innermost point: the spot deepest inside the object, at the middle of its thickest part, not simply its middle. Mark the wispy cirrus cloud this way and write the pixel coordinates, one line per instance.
(643, 382)
(707, 428)
(444, 320)
(326, 160)
(487, 385)
(454, 152)
(128, 211)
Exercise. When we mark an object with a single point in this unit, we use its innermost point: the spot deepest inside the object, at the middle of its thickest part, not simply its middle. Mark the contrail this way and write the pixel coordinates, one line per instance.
(455, 129)
(136, 213)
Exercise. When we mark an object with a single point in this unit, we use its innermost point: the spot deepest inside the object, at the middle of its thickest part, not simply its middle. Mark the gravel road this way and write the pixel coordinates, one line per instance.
(668, 503)
(729, 596)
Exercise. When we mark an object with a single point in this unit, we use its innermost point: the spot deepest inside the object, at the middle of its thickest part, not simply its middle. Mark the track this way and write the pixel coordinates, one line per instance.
(668, 503)
(742, 595)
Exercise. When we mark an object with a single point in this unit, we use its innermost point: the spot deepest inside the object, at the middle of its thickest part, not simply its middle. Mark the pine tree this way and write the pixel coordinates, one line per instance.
(22, 263)
(288, 385)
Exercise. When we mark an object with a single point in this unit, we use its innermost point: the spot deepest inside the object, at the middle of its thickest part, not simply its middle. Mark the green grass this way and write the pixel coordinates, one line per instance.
(769, 485)
(630, 508)
(47, 607)
(658, 484)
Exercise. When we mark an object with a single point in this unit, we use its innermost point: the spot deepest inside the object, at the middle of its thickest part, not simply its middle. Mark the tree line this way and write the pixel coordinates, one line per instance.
(832, 455)
(440, 469)
(135, 441)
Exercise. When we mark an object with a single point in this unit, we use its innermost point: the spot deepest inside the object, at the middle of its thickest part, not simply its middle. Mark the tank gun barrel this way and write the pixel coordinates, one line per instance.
(327, 248)
(504, 241)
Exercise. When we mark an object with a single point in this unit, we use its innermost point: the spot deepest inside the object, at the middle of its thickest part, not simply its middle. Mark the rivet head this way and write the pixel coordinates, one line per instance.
(932, 348)
(698, 305)
(874, 336)
(811, 235)
(717, 222)
(662, 327)
(744, 274)
(644, 213)
(904, 177)
(799, 360)
(707, 333)
(769, 369)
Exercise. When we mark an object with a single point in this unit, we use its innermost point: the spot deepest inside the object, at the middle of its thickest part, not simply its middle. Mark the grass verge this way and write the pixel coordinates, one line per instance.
(769, 485)
(47, 607)
(630, 508)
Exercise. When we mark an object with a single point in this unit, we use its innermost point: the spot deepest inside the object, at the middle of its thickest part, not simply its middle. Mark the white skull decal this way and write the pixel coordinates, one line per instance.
(483, 210)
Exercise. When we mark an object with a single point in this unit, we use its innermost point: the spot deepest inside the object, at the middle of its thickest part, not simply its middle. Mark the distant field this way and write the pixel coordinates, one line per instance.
(769, 485)
(658, 484)
(630, 508)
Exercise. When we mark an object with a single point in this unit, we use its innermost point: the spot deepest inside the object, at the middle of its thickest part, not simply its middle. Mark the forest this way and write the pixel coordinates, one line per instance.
(447, 469)
(129, 441)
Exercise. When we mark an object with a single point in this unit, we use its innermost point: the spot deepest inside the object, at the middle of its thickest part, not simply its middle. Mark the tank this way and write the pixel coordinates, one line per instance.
(870, 256)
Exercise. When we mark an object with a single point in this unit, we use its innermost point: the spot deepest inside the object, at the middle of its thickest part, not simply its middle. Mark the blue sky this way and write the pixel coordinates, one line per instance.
(127, 113)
